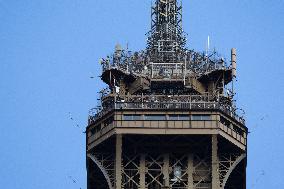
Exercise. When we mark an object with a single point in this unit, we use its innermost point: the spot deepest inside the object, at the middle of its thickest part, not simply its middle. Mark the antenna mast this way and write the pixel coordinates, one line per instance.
(166, 39)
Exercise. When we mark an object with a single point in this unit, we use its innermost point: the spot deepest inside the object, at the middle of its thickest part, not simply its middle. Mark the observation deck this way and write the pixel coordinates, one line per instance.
(166, 115)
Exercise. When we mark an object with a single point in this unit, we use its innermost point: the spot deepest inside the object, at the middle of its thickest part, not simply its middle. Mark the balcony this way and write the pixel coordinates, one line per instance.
(204, 104)
(170, 123)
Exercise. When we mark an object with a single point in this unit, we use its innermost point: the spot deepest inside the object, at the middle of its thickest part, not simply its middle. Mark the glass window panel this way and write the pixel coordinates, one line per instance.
(129, 117)
(173, 117)
(137, 117)
(184, 117)
(195, 117)
(206, 117)
(200, 117)
(155, 117)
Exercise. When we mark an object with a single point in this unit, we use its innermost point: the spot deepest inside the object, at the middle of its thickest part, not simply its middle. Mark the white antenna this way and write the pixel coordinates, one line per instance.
(208, 46)
(208, 43)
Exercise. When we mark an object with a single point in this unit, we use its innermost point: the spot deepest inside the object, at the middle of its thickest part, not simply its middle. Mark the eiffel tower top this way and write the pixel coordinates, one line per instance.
(167, 68)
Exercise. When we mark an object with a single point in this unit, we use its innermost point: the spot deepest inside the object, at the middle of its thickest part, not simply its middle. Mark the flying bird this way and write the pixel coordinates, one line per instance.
(264, 117)
(258, 124)
(76, 124)
(262, 173)
(73, 180)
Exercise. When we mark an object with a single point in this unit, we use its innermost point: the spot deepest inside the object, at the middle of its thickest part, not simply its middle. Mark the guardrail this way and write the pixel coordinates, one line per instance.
(167, 105)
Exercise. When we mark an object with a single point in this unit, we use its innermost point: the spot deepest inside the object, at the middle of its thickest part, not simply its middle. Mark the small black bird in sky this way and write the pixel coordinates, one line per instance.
(261, 174)
(73, 180)
(76, 124)
(71, 118)
(262, 118)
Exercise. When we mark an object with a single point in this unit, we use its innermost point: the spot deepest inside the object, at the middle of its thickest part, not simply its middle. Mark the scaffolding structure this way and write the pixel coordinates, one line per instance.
(168, 118)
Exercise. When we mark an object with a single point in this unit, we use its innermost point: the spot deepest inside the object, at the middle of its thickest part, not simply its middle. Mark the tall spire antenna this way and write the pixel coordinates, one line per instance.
(151, 13)
(166, 39)
(181, 14)
(208, 43)
(207, 46)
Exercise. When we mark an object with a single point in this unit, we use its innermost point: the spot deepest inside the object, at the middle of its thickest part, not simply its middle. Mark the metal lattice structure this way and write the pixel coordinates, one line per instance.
(167, 119)
(166, 39)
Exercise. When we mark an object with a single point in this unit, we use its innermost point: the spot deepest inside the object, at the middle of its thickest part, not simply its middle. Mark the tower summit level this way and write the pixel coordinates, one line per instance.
(167, 119)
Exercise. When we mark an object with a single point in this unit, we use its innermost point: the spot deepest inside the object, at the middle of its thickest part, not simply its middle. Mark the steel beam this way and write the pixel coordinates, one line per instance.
(118, 162)
(101, 167)
(190, 169)
(215, 163)
(142, 171)
(231, 169)
(166, 174)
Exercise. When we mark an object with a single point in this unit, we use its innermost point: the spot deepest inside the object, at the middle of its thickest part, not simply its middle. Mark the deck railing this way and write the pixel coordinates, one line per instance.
(228, 110)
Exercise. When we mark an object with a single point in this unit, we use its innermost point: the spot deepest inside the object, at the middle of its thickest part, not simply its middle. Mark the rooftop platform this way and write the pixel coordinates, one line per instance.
(156, 118)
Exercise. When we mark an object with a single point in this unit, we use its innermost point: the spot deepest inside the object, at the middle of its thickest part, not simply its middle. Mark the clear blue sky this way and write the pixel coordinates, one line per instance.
(50, 48)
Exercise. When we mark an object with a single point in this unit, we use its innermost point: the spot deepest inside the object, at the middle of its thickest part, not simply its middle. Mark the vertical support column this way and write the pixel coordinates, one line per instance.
(166, 166)
(190, 168)
(215, 163)
(88, 174)
(142, 171)
(245, 172)
(122, 89)
(118, 162)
